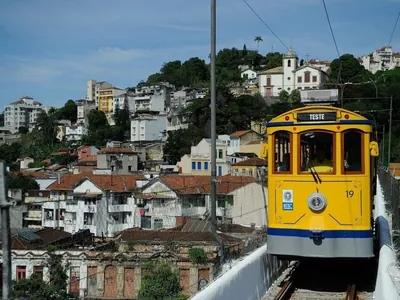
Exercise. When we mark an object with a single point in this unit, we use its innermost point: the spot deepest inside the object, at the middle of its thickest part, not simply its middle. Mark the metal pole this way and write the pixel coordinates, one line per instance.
(383, 146)
(214, 127)
(6, 235)
(390, 129)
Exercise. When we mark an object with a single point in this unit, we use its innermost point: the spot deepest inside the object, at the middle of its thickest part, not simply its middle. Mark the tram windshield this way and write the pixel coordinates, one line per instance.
(317, 152)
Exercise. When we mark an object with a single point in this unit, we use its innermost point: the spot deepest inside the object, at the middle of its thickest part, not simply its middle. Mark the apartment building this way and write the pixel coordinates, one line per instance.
(150, 98)
(117, 160)
(84, 106)
(93, 89)
(381, 60)
(96, 202)
(22, 113)
(75, 132)
(148, 127)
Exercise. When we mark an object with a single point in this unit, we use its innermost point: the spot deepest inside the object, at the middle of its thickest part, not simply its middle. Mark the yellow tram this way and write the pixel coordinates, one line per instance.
(321, 182)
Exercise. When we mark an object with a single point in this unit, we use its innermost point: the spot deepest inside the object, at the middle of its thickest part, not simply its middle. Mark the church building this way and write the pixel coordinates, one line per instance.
(290, 76)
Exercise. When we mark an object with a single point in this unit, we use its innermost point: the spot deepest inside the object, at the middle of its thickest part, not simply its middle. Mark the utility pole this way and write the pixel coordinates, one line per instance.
(383, 146)
(214, 128)
(6, 235)
(390, 129)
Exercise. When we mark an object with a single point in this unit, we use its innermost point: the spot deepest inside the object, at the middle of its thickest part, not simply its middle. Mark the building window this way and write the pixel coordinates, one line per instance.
(206, 165)
(220, 154)
(38, 272)
(307, 77)
(219, 171)
(193, 165)
(299, 79)
(314, 79)
(268, 81)
(289, 63)
(21, 273)
(199, 165)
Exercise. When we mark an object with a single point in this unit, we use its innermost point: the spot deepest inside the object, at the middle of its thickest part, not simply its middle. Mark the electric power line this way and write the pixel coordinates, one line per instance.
(330, 27)
(394, 29)
(266, 25)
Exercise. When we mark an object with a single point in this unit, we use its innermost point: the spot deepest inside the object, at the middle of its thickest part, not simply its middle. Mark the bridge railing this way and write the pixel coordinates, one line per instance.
(391, 192)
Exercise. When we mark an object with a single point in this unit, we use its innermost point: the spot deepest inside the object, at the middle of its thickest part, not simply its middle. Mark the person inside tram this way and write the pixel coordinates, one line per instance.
(353, 161)
(321, 163)
(285, 164)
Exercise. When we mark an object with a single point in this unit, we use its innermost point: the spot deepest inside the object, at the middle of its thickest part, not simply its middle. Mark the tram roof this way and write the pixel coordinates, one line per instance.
(341, 113)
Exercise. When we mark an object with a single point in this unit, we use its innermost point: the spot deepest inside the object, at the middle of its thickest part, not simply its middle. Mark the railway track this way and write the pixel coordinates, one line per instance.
(288, 292)
(319, 281)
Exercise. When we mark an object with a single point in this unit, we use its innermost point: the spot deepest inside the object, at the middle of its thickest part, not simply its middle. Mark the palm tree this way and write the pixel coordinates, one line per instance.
(258, 39)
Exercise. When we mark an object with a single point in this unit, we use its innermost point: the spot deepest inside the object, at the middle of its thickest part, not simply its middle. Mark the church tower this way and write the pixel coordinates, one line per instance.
(289, 64)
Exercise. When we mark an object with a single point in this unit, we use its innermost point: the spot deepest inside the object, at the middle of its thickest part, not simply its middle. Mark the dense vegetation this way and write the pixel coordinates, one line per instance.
(233, 113)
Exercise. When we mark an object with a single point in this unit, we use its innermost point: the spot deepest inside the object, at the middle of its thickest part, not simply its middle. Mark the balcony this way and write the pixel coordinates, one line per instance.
(90, 209)
(33, 215)
(193, 211)
(114, 208)
(170, 211)
(53, 223)
(177, 127)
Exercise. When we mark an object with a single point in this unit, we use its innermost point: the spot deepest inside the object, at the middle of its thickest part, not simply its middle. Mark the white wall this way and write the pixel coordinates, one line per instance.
(148, 129)
(385, 288)
(311, 84)
(249, 205)
(248, 280)
(276, 84)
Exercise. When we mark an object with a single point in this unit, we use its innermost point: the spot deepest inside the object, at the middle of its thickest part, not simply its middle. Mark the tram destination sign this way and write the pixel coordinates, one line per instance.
(316, 117)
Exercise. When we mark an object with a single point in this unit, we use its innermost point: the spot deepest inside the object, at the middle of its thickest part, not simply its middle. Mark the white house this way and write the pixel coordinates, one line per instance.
(232, 143)
(290, 76)
(100, 203)
(75, 132)
(198, 162)
(168, 198)
(248, 74)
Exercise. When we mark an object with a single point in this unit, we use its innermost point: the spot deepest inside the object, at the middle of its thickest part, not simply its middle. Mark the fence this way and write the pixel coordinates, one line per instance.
(391, 191)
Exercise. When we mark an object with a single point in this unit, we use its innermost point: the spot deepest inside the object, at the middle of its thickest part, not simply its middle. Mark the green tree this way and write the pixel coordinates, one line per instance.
(68, 112)
(258, 39)
(161, 284)
(56, 289)
(97, 120)
(23, 130)
(284, 95)
(273, 60)
(46, 127)
(20, 181)
(295, 96)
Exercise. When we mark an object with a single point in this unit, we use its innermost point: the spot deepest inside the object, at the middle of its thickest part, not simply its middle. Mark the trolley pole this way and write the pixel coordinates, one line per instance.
(390, 129)
(6, 235)
(214, 128)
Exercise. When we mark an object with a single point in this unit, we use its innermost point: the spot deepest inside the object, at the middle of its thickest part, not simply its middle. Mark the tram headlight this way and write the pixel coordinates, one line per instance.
(317, 202)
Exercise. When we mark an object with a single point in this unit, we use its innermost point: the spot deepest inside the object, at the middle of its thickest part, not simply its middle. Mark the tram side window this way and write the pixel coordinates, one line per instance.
(317, 152)
(282, 148)
(352, 151)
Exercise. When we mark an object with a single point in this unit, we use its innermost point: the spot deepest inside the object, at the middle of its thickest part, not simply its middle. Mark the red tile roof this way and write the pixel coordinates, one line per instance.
(116, 150)
(130, 235)
(252, 162)
(189, 184)
(116, 183)
(240, 133)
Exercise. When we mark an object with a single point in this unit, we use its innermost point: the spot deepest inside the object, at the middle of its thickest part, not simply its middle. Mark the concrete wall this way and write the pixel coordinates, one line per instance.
(248, 280)
(385, 288)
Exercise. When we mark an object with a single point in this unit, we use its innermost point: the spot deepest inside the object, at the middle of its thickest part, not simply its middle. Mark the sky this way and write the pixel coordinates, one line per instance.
(50, 48)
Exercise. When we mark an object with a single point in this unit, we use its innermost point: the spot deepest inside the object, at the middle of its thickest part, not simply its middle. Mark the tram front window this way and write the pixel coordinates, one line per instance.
(317, 152)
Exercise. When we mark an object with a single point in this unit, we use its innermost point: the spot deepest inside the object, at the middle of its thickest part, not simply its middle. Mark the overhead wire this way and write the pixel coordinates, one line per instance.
(394, 29)
(265, 24)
